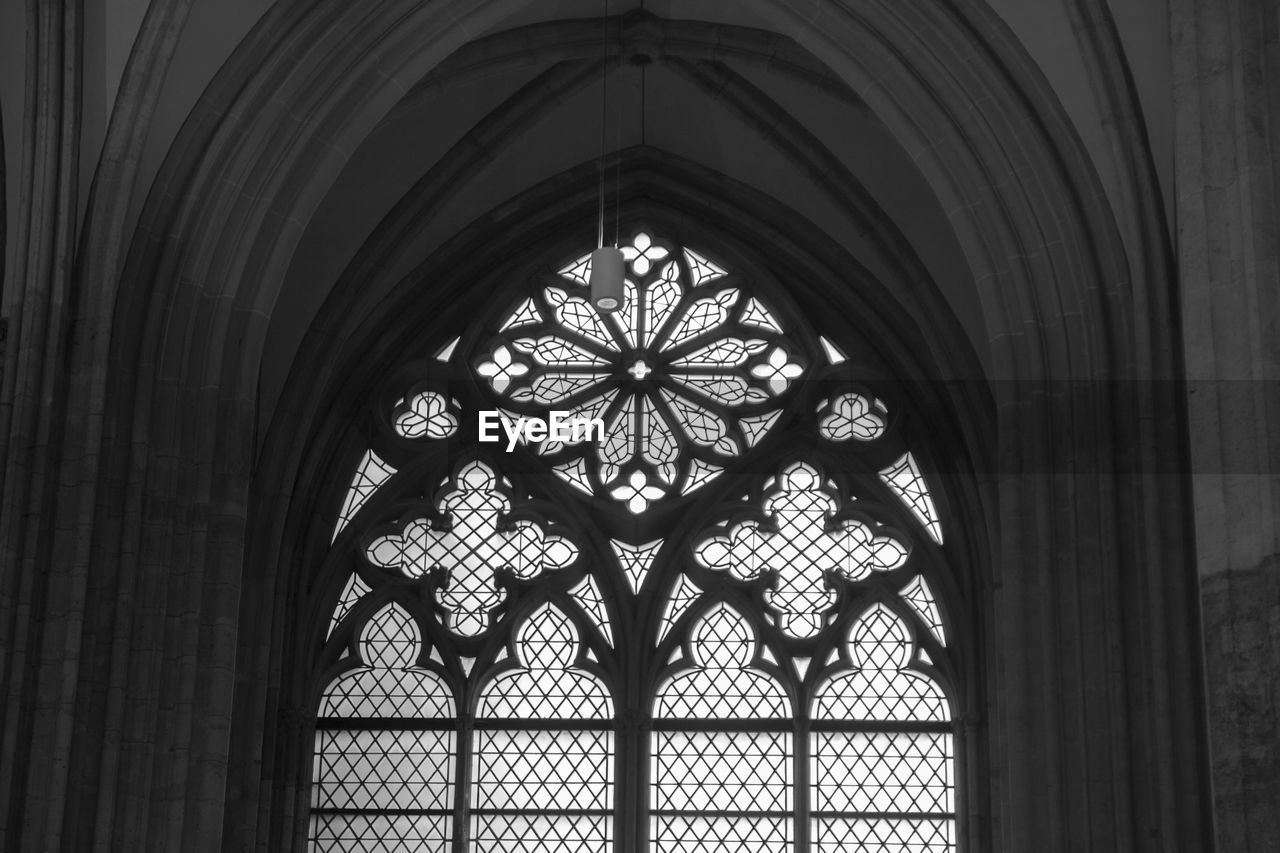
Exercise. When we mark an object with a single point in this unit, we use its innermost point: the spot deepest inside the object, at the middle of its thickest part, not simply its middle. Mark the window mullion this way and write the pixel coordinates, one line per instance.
(462, 791)
(800, 777)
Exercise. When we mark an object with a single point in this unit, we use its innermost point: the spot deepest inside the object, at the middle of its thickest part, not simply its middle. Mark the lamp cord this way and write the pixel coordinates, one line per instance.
(604, 102)
(617, 172)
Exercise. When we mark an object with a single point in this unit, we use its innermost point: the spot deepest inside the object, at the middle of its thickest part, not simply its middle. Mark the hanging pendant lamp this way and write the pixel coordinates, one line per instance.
(606, 279)
(606, 261)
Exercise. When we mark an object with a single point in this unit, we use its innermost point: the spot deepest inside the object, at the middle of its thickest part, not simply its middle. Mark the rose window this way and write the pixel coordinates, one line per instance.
(688, 375)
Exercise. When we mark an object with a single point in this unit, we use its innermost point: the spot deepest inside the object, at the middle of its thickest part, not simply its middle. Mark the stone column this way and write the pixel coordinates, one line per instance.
(1226, 58)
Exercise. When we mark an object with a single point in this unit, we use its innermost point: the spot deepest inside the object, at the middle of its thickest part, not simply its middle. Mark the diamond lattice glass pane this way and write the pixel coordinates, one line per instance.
(533, 770)
(371, 473)
(920, 597)
(722, 771)
(355, 590)
(390, 639)
(906, 481)
(899, 835)
(471, 549)
(541, 833)
(723, 685)
(381, 833)
(882, 772)
(547, 687)
(678, 834)
(389, 685)
(383, 770)
(410, 693)
(881, 688)
(802, 551)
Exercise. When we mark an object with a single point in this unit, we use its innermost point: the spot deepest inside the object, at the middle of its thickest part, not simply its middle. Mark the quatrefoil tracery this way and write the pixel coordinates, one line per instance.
(803, 548)
(472, 549)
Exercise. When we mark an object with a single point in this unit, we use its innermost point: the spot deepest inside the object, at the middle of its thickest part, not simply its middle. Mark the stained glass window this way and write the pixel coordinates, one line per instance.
(686, 376)
(726, 788)
(385, 746)
(724, 625)
(548, 788)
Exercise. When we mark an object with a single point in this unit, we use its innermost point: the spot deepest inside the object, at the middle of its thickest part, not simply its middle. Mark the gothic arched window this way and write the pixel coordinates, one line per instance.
(691, 608)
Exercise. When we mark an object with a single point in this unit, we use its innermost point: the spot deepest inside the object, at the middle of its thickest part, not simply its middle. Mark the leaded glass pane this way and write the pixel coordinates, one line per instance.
(723, 685)
(390, 639)
(387, 693)
(371, 473)
(547, 686)
(802, 551)
(718, 834)
(382, 770)
(536, 770)
(853, 416)
(904, 835)
(388, 685)
(472, 548)
(920, 597)
(722, 771)
(427, 416)
(384, 789)
(906, 481)
(756, 314)
(636, 560)
(565, 769)
(381, 833)
(881, 772)
(542, 833)
(588, 595)
(575, 474)
(704, 271)
(682, 598)
(691, 375)
(355, 590)
(881, 687)
(675, 421)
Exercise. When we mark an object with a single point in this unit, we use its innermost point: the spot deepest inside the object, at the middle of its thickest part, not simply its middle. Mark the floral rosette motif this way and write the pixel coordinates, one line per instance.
(688, 375)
